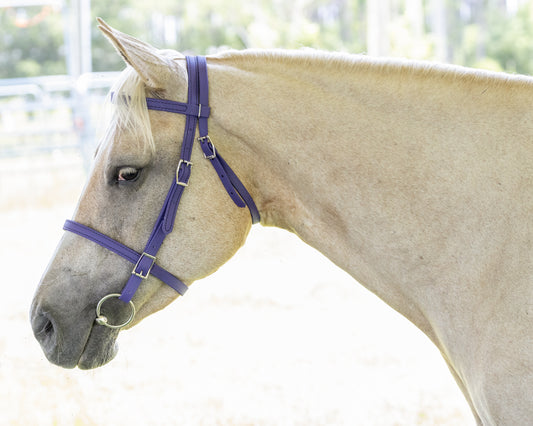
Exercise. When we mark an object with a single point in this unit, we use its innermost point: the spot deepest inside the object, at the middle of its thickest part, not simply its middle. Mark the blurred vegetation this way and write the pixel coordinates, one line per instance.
(31, 42)
(495, 34)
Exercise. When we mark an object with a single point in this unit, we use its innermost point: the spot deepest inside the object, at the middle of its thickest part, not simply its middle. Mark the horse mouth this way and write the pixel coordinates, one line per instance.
(70, 348)
(70, 344)
(101, 348)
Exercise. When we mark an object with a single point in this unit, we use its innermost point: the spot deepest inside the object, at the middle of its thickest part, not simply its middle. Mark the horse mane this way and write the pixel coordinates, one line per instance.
(387, 67)
(130, 113)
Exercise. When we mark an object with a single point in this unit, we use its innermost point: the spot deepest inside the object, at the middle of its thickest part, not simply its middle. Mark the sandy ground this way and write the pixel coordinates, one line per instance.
(278, 336)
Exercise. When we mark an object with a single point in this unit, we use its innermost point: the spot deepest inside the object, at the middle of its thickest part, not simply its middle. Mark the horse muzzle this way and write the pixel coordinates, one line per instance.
(68, 332)
(85, 345)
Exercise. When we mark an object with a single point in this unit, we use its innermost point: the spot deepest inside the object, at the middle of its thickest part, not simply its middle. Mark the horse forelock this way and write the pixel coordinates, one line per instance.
(126, 106)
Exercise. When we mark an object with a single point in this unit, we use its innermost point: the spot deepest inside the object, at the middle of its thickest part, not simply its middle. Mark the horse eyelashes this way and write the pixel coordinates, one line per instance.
(128, 174)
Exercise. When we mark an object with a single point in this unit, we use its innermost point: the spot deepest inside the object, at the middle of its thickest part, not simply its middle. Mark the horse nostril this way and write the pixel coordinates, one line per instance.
(44, 330)
(48, 328)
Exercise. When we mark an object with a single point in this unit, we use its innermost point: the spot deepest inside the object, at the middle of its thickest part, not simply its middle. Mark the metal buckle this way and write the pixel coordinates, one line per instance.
(188, 164)
(140, 274)
(102, 320)
(207, 139)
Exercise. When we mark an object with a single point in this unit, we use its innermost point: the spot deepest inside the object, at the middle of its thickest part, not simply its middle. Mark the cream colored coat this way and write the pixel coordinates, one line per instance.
(416, 179)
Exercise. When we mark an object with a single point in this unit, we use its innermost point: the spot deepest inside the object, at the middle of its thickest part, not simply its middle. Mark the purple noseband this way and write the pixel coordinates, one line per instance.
(197, 112)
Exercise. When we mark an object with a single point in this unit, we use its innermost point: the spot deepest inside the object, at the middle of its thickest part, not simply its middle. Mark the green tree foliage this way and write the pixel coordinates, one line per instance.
(480, 33)
(31, 42)
(204, 25)
(494, 36)
(510, 41)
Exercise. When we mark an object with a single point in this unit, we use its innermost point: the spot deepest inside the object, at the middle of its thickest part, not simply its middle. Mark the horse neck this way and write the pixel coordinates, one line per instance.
(288, 123)
(308, 128)
(349, 154)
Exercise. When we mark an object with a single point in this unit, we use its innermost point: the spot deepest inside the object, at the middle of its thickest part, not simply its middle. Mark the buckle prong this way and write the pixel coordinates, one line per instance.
(204, 139)
(188, 164)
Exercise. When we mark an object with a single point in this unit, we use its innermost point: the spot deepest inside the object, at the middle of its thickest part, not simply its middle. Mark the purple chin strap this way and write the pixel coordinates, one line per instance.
(197, 112)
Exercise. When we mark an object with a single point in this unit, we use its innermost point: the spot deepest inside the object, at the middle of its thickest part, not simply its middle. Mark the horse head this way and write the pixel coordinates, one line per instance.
(133, 168)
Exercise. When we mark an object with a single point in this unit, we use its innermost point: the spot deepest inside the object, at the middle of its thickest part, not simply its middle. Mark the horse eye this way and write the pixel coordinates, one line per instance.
(128, 174)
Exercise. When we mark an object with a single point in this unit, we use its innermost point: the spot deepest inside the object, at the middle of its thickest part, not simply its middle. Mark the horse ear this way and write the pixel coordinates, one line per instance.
(153, 67)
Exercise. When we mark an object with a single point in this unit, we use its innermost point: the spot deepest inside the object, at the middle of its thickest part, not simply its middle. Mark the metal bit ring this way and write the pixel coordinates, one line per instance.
(102, 320)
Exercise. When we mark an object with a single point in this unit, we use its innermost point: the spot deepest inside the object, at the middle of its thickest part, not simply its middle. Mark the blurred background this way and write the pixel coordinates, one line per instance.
(279, 336)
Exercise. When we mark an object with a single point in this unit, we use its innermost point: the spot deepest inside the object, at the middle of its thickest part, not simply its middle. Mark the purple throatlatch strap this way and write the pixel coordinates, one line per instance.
(197, 112)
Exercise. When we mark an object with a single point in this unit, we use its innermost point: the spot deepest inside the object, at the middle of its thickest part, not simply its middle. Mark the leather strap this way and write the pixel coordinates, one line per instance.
(166, 219)
(129, 254)
(197, 112)
(234, 187)
(178, 107)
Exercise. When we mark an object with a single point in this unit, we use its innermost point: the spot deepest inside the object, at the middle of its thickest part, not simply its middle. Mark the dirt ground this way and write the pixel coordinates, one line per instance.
(278, 336)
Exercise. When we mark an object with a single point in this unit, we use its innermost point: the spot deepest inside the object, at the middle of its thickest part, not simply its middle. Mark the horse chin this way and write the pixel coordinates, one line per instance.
(100, 349)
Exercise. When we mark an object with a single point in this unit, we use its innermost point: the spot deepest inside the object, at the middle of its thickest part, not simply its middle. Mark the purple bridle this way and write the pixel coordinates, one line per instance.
(197, 112)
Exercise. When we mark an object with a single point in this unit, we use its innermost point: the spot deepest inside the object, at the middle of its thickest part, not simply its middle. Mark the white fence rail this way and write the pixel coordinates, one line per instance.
(45, 114)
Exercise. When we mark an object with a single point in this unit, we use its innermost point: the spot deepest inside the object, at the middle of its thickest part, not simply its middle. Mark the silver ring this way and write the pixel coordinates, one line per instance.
(102, 320)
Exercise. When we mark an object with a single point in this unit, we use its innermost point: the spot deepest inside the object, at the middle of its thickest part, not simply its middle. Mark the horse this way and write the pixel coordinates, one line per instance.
(416, 178)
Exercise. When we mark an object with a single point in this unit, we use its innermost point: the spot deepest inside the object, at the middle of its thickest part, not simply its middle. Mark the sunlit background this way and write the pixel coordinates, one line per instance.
(279, 336)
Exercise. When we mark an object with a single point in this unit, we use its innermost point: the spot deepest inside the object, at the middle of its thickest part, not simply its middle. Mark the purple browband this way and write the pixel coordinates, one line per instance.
(197, 112)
